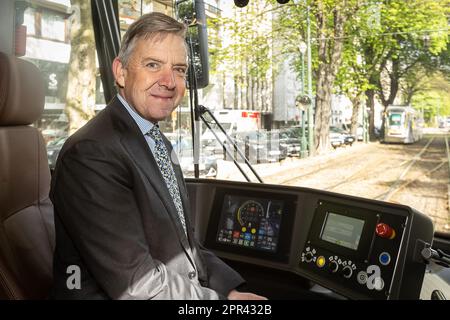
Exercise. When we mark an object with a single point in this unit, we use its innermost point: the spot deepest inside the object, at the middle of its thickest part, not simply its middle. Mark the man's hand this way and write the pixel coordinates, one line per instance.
(236, 295)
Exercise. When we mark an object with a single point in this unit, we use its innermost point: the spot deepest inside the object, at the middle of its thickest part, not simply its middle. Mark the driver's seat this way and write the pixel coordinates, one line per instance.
(26, 213)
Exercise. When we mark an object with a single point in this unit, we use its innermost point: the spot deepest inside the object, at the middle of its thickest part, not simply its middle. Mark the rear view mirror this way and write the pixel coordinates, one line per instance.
(192, 12)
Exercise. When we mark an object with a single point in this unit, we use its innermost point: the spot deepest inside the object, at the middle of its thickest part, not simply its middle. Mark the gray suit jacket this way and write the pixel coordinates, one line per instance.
(116, 221)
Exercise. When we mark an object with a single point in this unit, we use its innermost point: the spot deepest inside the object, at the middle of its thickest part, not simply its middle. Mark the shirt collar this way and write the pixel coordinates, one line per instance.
(144, 125)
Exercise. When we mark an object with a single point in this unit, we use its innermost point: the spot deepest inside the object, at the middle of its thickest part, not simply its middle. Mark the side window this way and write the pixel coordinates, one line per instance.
(56, 43)
(47, 46)
(65, 61)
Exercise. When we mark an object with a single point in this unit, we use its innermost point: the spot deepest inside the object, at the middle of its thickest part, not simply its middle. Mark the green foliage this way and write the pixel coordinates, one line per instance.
(246, 55)
(389, 45)
(405, 31)
(291, 31)
(386, 31)
(434, 99)
(247, 41)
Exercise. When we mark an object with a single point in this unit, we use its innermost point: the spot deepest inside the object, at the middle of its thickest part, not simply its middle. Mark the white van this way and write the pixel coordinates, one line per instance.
(231, 121)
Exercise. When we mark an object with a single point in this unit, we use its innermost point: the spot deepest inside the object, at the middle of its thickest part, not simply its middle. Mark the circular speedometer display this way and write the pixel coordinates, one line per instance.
(250, 213)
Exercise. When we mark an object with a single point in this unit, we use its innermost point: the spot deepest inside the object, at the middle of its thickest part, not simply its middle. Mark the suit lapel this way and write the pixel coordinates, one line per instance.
(187, 213)
(186, 205)
(180, 180)
(136, 145)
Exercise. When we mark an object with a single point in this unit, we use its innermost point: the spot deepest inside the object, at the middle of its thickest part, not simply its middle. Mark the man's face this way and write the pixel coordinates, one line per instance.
(153, 82)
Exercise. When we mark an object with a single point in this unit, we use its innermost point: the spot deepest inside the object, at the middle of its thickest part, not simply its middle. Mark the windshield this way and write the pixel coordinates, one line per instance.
(395, 119)
(267, 76)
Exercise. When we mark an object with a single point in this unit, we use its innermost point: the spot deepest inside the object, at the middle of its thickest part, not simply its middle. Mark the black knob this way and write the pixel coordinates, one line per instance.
(333, 266)
(309, 256)
(437, 295)
(347, 272)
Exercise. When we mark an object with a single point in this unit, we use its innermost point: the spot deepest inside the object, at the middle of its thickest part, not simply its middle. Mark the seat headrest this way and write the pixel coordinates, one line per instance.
(22, 92)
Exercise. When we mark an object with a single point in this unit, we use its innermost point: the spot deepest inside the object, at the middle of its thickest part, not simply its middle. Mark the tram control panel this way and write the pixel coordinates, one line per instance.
(359, 248)
(354, 248)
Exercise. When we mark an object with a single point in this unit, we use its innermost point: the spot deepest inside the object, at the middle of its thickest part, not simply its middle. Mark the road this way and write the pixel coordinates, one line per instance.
(416, 175)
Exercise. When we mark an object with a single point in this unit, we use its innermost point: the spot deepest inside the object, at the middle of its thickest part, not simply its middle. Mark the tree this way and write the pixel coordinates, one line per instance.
(331, 17)
(434, 100)
(80, 98)
(401, 34)
(413, 82)
(429, 68)
(247, 55)
(351, 79)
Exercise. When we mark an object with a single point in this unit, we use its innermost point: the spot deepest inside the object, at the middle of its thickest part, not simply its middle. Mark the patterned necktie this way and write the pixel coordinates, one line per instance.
(165, 166)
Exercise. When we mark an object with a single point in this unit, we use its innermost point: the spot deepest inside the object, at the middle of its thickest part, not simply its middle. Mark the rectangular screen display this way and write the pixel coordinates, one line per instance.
(252, 223)
(342, 230)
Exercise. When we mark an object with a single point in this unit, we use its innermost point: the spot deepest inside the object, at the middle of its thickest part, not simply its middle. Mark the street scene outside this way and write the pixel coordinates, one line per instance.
(345, 96)
(415, 175)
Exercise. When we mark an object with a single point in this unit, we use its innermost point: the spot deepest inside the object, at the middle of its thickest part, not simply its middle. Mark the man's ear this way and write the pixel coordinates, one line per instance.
(119, 72)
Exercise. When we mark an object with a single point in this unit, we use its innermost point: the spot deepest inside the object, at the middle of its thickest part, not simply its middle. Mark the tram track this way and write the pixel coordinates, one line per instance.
(435, 173)
(370, 165)
(397, 185)
(388, 195)
(428, 166)
(358, 175)
(330, 165)
(416, 175)
(371, 168)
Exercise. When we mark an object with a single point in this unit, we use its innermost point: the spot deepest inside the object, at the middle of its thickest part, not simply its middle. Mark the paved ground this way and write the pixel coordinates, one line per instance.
(416, 175)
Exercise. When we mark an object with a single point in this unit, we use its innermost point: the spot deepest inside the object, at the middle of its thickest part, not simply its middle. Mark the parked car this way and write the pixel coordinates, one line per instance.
(359, 131)
(185, 154)
(53, 149)
(209, 140)
(336, 139)
(291, 138)
(277, 149)
(55, 129)
(347, 136)
(258, 146)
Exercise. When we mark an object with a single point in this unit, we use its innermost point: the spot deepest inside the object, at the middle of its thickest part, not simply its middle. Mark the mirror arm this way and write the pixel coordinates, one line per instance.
(193, 100)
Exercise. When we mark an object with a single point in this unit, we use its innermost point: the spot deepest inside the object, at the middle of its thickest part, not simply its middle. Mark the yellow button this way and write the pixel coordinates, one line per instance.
(244, 229)
(253, 230)
(320, 261)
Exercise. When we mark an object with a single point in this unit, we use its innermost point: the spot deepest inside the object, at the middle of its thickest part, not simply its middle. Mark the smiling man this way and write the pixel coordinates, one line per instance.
(122, 213)
(152, 78)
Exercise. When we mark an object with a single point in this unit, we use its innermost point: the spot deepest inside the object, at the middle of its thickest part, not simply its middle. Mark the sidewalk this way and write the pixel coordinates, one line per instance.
(271, 172)
(436, 131)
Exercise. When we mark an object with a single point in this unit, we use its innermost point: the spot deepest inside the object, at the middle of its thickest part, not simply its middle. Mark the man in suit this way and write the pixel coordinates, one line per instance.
(122, 214)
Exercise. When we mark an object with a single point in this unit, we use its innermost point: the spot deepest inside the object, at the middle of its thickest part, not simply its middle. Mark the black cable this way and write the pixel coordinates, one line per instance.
(193, 100)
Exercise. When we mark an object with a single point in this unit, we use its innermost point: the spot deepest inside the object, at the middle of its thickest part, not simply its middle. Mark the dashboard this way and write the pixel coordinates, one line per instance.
(293, 238)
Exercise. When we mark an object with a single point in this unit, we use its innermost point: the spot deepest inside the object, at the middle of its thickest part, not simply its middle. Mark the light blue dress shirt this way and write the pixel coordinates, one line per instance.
(143, 124)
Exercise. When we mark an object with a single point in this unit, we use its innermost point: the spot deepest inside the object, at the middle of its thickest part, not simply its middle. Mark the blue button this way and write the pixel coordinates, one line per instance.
(385, 258)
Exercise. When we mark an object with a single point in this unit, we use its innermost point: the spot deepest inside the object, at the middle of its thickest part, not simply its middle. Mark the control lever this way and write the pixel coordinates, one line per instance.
(200, 111)
(438, 256)
(437, 295)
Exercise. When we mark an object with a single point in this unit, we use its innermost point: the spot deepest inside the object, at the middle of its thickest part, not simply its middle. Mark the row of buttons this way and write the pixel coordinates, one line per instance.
(347, 270)
(333, 265)
(384, 258)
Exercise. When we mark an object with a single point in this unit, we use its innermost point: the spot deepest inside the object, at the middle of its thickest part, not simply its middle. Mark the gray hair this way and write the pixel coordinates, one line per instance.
(148, 26)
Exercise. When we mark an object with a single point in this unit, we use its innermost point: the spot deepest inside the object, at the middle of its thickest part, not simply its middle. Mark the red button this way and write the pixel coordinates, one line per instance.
(385, 231)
